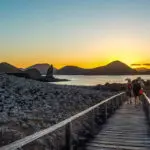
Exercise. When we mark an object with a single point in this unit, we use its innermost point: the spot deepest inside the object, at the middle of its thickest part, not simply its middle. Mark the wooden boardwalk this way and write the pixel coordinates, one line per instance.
(127, 129)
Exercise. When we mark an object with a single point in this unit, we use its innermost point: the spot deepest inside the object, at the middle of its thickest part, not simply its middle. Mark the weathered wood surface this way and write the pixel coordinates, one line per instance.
(127, 129)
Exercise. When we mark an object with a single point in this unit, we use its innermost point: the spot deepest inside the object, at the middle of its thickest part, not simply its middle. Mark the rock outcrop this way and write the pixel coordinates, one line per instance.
(50, 72)
(33, 74)
(7, 68)
(43, 68)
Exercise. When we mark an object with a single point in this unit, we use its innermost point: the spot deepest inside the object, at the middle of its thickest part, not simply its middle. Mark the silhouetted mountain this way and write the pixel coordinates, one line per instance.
(71, 70)
(33, 73)
(114, 68)
(41, 67)
(147, 72)
(7, 68)
(142, 69)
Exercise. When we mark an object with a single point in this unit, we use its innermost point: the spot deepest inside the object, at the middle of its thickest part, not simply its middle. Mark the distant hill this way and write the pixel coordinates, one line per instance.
(113, 68)
(142, 69)
(147, 72)
(41, 67)
(71, 70)
(7, 68)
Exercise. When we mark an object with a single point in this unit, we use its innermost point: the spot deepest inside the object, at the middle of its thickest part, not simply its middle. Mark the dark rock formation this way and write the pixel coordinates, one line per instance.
(50, 72)
(22, 74)
(33, 74)
(7, 68)
(113, 87)
(43, 68)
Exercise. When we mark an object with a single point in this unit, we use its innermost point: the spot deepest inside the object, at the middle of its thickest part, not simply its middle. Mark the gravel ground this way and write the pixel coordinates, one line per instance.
(27, 106)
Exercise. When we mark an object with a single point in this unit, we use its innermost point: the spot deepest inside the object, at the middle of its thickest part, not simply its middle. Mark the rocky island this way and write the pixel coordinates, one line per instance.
(27, 106)
(34, 72)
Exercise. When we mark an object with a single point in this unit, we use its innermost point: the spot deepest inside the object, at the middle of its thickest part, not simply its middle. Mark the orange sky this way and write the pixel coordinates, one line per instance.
(87, 33)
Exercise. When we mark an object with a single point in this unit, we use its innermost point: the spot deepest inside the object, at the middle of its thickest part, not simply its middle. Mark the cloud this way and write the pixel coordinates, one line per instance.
(136, 64)
(146, 64)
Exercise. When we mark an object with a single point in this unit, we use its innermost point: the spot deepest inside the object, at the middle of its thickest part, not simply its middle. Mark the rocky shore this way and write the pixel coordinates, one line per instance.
(27, 106)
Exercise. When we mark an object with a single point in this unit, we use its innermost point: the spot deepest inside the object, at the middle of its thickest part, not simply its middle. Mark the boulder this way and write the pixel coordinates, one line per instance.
(33, 74)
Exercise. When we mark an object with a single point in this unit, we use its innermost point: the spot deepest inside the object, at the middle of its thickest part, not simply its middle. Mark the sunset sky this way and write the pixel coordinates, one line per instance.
(86, 33)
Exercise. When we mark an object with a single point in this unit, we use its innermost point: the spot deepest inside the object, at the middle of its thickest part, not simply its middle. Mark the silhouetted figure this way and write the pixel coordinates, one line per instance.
(138, 86)
(129, 90)
(50, 72)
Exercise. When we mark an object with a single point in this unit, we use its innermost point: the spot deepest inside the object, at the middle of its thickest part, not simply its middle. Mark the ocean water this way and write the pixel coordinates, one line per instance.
(98, 79)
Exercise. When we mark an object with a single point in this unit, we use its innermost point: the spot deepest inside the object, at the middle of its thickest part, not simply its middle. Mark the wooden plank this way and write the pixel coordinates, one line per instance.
(108, 135)
(102, 146)
(123, 143)
(120, 138)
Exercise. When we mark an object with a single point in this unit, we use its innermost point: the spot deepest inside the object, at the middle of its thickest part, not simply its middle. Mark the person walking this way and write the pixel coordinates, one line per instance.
(129, 90)
(138, 86)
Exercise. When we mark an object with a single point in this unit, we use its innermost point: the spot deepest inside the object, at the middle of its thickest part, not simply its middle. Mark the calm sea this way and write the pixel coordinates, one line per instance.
(94, 80)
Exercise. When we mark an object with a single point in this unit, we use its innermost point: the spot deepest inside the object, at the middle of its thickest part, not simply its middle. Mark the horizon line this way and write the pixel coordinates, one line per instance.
(133, 66)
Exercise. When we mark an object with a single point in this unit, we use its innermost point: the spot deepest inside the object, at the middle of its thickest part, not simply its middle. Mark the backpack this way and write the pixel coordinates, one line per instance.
(141, 91)
(129, 86)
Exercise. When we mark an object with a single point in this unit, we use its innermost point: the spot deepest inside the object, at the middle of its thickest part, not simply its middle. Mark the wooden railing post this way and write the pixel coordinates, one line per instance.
(118, 101)
(115, 100)
(112, 106)
(93, 122)
(148, 111)
(121, 101)
(106, 113)
(69, 136)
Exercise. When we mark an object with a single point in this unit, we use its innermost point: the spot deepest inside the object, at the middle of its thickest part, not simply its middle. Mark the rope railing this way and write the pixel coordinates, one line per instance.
(67, 124)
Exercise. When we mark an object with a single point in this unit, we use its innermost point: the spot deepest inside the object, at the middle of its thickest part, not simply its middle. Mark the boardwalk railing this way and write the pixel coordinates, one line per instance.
(146, 106)
(115, 101)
